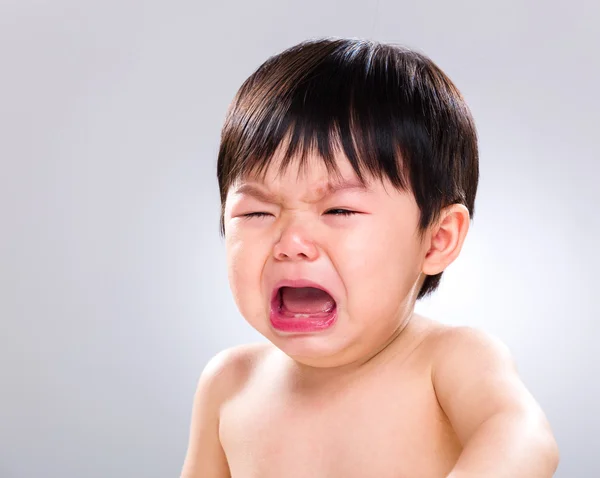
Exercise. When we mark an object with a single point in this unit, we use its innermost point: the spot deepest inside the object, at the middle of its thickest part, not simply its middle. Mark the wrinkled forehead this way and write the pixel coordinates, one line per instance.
(309, 168)
(310, 182)
(312, 169)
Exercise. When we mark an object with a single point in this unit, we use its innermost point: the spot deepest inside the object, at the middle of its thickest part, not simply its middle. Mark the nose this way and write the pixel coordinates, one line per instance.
(295, 244)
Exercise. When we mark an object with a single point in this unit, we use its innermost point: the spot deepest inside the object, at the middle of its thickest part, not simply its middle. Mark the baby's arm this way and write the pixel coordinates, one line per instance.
(205, 457)
(502, 428)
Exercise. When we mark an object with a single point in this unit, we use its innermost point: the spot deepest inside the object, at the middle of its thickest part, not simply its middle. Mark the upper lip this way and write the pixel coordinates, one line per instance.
(297, 283)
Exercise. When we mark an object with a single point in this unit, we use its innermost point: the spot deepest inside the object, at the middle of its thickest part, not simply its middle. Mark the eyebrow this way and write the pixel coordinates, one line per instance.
(331, 188)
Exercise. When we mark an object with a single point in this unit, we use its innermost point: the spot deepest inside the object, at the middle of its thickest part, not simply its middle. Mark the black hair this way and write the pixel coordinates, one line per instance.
(390, 109)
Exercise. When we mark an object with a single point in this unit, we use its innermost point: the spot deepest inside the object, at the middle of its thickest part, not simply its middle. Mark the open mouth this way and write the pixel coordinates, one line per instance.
(302, 309)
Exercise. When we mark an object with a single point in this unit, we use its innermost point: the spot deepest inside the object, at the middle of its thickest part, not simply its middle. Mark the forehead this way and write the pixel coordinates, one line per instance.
(311, 184)
(313, 171)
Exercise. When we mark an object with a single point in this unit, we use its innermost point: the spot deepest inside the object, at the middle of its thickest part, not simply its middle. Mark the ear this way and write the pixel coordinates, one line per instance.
(446, 239)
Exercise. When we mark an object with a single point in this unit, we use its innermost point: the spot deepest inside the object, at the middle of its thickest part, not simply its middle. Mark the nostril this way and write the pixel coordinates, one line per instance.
(293, 247)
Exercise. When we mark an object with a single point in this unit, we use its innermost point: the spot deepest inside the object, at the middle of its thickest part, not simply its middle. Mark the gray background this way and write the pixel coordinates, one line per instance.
(113, 289)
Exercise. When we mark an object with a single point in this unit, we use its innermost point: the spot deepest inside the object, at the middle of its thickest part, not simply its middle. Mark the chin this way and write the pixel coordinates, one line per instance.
(322, 349)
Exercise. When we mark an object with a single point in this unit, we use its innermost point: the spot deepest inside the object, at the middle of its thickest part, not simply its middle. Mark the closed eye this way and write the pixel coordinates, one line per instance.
(341, 212)
(332, 212)
(256, 214)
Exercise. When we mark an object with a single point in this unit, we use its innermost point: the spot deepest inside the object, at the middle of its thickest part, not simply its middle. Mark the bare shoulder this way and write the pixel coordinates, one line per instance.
(475, 380)
(441, 344)
(475, 376)
(223, 376)
(228, 371)
(468, 343)
(468, 362)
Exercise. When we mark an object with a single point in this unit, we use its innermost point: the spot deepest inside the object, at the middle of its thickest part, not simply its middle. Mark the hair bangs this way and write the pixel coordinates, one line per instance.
(336, 106)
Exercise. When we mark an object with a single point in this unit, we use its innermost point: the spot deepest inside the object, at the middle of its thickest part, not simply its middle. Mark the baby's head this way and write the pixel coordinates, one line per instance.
(345, 166)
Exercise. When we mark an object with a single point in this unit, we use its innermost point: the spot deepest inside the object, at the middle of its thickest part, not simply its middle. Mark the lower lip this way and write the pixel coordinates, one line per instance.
(301, 325)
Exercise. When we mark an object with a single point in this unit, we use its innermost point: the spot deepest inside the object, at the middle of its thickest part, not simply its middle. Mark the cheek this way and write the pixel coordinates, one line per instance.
(245, 265)
(378, 266)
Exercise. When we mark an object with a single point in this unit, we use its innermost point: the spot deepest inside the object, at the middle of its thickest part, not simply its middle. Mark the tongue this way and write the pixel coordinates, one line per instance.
(306, 300)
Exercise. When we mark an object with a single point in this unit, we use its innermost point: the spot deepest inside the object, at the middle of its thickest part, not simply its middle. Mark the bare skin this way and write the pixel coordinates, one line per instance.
(268, 417)
(383, 420)
(384, 392)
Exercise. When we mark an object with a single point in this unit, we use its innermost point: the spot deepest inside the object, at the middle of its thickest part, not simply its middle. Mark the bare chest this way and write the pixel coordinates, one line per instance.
(381, 428)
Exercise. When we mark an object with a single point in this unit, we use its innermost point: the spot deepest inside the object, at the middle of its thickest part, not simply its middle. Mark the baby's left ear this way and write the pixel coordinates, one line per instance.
(446, 238)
